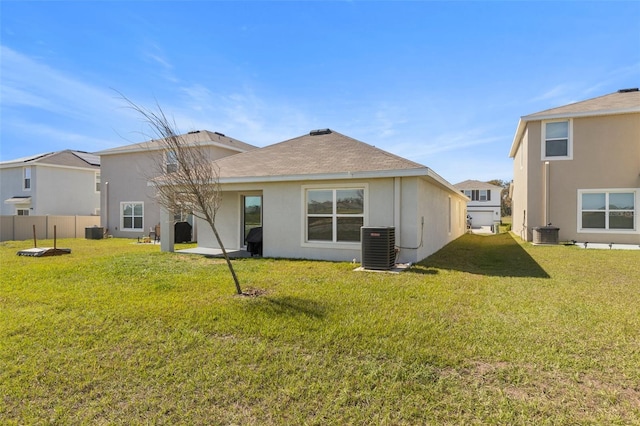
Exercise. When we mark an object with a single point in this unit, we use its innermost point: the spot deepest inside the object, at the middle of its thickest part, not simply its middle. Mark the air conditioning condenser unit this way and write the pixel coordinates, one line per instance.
(378, 247)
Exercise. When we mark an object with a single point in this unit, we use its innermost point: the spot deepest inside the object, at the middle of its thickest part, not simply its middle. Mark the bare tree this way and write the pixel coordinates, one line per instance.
(185, 175)
(505, 205)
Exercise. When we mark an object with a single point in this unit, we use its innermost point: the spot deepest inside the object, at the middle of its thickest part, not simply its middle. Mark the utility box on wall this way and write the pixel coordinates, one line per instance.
(378, 247)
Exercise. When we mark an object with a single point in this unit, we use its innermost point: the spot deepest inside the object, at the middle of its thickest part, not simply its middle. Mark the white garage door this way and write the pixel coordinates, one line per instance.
(479, 219)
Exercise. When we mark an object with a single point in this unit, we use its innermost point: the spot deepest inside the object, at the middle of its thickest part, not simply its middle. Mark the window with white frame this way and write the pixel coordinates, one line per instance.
(22, 212)
(478, 194)
(172, 162)
(556, 138)
(131, 216)
(97, 182)
(334, 214)
(612, 211)
(26, 181)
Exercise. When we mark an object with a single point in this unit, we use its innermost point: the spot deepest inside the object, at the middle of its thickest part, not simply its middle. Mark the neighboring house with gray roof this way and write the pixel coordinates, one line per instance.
(578, 167)
(312, 194)
(56, 183)
(484, 207)
(129, 209)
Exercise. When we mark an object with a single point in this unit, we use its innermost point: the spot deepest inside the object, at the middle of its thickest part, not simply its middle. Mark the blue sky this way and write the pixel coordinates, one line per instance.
(440, 83)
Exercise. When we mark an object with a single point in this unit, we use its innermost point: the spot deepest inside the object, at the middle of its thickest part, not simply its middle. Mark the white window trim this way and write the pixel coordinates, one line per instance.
(23, 209)
(97, 180)
(136, 230)
(171, 162)
(330, 244)
(24, 178)
(636, 213)
(543, 144)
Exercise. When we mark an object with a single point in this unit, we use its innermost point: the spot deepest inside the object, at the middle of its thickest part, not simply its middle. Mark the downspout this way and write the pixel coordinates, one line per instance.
(547, 192)
(106, 206)
(397, 201)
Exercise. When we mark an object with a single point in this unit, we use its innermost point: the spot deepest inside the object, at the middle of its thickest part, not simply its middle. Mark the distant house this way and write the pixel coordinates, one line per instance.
(484, 207)
(578, 167)
(129, 209)
(56, 183)
(312, 194)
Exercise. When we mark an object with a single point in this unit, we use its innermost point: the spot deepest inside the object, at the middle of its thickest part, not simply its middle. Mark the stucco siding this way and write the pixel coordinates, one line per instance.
(124, 179)
(61, 191)
(54, 190)
(284, 221)
(443, 218)
(519, 192)
(606, 155)
(11, 186)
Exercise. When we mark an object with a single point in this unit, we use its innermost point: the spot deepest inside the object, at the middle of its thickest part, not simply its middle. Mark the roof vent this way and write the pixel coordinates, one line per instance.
(320, 132)
(634, 89)
(193, 132)
(219, 134)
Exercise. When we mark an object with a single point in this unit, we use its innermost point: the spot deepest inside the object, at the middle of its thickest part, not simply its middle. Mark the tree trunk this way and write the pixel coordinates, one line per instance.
(226, 257)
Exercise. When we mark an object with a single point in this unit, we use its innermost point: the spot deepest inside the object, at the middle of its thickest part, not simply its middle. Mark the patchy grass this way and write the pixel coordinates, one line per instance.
(488, 330)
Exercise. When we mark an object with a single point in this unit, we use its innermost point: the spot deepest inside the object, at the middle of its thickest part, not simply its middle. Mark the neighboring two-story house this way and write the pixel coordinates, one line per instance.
(577, 167)
(57, 183)
(485, 202)
(129, 209)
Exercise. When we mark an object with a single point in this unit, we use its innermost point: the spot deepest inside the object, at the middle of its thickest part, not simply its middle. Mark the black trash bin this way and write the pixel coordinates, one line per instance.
(545, 235)
(182, 232)
(254, 241)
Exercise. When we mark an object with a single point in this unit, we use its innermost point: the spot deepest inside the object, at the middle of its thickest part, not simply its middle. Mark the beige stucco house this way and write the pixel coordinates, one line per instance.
(129, 209)
(578, 167)
(485, 202)
(312, 194)
(56, 183)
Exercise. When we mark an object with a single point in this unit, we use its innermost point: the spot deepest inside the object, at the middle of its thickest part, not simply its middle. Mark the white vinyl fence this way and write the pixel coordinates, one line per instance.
(20, 228)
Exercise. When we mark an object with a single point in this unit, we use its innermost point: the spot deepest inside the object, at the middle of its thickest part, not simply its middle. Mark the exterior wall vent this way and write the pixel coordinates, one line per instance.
(319, 132)
(378, 247)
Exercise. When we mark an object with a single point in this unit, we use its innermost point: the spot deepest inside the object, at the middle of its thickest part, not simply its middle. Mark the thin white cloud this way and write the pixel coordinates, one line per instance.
(240, 114)
(155, 54)
(553, 93)
(29, 83)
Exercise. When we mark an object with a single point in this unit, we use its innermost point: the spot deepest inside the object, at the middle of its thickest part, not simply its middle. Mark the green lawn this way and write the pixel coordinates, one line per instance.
(486, 331)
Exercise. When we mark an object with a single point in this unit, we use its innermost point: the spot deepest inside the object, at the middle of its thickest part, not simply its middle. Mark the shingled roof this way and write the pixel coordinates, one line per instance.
(320, 153)
(475, 184)
(623, 101)
(67, 157)
(201, 137)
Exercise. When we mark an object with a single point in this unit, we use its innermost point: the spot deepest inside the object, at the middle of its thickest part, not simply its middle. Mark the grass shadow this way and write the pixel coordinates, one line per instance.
(292, 306)
(496, 255)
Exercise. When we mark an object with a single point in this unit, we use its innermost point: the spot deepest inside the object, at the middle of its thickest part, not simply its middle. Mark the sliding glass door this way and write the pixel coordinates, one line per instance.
(251, 214)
